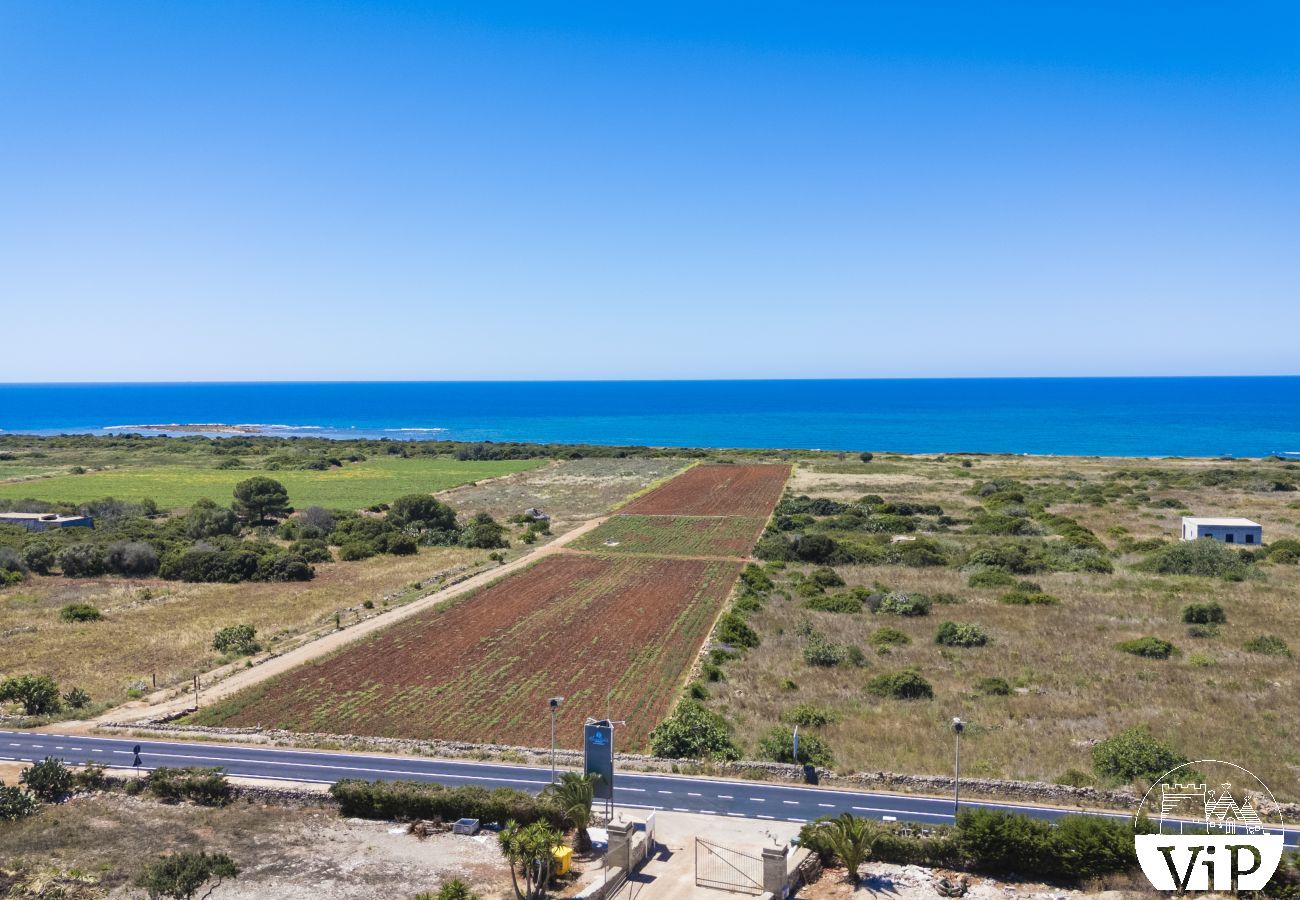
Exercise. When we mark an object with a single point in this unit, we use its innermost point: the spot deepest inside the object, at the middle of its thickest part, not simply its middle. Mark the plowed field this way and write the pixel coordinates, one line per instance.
(717, 490)
(612, 635)
(732, 536)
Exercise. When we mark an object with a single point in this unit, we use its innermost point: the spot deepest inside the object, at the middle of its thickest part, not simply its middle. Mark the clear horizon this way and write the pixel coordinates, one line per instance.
(424, 192)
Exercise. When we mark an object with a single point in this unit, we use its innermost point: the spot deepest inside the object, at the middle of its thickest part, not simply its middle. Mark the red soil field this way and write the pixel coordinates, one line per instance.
(613, 635)
(716, 490)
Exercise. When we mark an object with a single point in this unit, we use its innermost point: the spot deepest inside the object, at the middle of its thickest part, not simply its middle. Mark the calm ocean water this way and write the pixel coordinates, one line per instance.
(1091, 416)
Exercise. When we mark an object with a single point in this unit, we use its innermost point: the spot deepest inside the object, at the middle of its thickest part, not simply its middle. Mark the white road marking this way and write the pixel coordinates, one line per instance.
(725, 797)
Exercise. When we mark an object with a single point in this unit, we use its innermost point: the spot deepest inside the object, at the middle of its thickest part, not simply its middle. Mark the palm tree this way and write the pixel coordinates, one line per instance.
(574, 794)
(529, 850)
(850, 840)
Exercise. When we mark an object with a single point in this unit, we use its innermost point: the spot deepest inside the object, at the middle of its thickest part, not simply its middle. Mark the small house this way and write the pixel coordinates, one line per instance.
(45, 521)
(1226, 530)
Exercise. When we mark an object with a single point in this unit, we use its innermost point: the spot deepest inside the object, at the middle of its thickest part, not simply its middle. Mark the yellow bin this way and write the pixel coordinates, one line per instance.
(563, 859)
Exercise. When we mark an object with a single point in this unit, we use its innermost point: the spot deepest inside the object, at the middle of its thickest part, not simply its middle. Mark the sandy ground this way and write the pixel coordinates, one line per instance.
(164, 703)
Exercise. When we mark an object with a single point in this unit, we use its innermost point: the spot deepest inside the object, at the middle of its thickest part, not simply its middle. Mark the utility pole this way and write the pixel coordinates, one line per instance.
(554, 703)
(958, 726)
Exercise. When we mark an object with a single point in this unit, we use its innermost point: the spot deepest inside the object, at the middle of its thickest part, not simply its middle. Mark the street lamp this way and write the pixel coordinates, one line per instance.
(958, 726)
(554, 703)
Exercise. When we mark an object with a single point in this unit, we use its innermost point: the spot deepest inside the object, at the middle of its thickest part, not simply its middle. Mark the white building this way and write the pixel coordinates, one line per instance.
(1228, 530)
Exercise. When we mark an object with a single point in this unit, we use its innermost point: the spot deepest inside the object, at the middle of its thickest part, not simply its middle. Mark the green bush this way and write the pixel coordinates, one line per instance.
(756, 579)
(15, 803)
(809, 715)
(993, 687)
(1148, 647)
(37, 694)
(1028, 598)
(778, 746)
(693, 732)
(988, 578)
(1134, 753)
(237, 639)
(961, 634)
(844, 602)
(80, 612)
(180, 876)
(1202, 631)
(817, 651)
(1267, 644)
(204, 786)
(1210, 613)
(48, 780)
(906, 684)
(76, 698)
(897, 603)
(887, 636)
(81, 561)
(734, 631)
(412, 800)
(1206, 558)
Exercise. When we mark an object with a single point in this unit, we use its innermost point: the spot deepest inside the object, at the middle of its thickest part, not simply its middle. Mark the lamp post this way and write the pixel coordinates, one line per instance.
(554, 703)
(958, 726)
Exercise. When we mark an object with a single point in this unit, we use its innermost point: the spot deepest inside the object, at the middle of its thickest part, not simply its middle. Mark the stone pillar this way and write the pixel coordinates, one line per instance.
(620, 844)
(774, 869)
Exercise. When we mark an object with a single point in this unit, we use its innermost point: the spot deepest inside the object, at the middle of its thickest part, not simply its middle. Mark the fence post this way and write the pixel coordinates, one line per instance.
(619, 852)
(774, 869)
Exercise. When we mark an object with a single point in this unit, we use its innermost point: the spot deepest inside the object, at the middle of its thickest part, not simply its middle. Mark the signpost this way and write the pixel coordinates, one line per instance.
(598, 757)
(136, 762)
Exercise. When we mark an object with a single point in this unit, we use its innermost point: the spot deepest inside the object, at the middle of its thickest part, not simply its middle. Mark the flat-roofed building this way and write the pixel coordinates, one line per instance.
(45, 521)
(1227, 530)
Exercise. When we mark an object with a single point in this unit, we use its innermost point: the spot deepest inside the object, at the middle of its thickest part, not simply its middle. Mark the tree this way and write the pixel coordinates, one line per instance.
(528, 849)
(1134, 753)
(39, 557)
(866, 456)
(180, 876)
(574, 794)
(693, 732)
(48, 779)
(850, 840)
(484, 533)
(420, 513)
(206, 519)
(38, 694)
(260, 498)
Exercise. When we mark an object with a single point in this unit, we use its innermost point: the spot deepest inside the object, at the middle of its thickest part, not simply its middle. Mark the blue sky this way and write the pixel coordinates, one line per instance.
(214, 191)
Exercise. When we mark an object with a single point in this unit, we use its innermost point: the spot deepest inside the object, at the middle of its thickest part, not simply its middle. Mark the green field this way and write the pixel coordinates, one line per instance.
(353, 486)
(731, 536)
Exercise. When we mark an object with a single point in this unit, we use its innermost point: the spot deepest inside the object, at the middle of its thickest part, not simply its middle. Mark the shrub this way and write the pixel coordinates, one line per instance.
(778, 746)
(48, 780)
(76, 698)
(1148, 647)
(204, 786)
(897, 603)
(356, 550)
(693, 732)
(817, 651)
(80, 612)
(284, 567)
(1204, 614)
(38, 694)
(312, 550)
(734, 631)
(182, 875)
(38, 557)
(906, 684)
(81, 561)
(961, 634)
(1206, 558)
(1134, 753)
(888, 636)
(1202, 631)
(484, 533)
(809, 715)
(845, 602)
(319, 520)
(414, 800)
(1028, 598)
(421, 514)
(15, 803)
(238, 639)
(1000, 842)
(1268, 644)
(204, 565)
(827, 577)
(993, 687)
(986, 578)
(134, 559)
(13, 563)
(756, 579)
(207, 520)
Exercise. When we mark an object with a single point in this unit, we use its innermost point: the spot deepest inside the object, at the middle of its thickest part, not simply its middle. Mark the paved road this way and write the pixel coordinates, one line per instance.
(746, 799)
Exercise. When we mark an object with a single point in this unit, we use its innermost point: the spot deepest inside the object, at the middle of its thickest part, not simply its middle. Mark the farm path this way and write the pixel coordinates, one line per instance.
(153, 708)
(638, 554)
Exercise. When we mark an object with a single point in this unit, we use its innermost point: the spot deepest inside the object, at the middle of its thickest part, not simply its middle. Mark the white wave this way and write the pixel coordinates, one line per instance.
(414, 429)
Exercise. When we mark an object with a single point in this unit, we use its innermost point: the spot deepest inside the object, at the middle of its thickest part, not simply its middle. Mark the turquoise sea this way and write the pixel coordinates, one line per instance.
(1249, 416)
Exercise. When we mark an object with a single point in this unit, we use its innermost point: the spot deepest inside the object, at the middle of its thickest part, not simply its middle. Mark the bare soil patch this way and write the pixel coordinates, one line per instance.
(716, 490)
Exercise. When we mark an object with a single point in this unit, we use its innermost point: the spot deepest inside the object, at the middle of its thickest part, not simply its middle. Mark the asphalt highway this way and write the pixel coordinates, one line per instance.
(638, 790)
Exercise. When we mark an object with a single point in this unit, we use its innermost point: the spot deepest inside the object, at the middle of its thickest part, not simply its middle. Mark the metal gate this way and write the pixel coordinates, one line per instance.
(727, 869)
